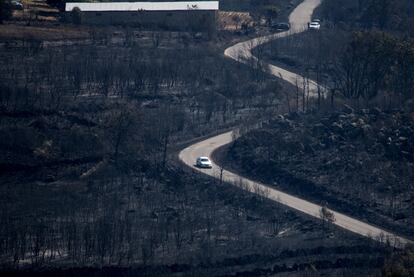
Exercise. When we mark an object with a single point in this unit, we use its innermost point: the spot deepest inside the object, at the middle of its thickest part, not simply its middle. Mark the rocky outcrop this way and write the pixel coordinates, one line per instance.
(359, 159)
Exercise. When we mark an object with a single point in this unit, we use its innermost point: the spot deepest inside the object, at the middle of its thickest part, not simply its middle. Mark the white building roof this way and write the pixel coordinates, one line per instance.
(143, 6)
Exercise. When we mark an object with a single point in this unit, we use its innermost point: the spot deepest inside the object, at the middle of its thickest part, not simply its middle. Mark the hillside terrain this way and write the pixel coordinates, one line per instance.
(85, 171)
(90, 122)
(351, 148)
(356, 162)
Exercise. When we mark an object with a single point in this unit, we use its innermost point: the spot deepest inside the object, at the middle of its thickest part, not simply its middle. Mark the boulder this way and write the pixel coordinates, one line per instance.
(360, 122)
(335, 163)
(365, 111)
(344, 117)
(375, 111)
(366, 129)
(337, 127)
(319, 128)
(352, 131)
(403, 139)
(347, 109)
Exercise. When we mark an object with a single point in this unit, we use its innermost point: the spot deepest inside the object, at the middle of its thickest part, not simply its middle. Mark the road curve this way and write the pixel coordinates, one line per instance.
(242, 53)
(298, 19)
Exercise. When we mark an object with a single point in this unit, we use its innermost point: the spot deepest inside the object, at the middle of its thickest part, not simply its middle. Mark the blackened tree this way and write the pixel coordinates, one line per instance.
(5, 10)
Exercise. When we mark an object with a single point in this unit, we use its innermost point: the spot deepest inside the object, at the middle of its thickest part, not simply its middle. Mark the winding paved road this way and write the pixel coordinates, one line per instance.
(298, 19)
(242, 53)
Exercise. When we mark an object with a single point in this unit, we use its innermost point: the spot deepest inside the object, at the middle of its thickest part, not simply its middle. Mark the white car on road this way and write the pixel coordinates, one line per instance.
(203, 162)
(314, 25)
(16, 4)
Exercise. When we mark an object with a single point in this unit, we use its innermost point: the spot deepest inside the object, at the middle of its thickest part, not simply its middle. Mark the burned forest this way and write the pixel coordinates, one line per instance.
(206, 138)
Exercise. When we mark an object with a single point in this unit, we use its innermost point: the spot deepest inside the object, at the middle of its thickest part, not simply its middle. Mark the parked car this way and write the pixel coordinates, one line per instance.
(314, 25)
(203, 162)
(280, 26)
(17, 5)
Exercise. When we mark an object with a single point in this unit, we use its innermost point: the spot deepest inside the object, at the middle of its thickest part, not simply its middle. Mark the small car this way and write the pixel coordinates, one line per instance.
(17, 5)
(203, 162)
(281, 26)
(314, 25)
